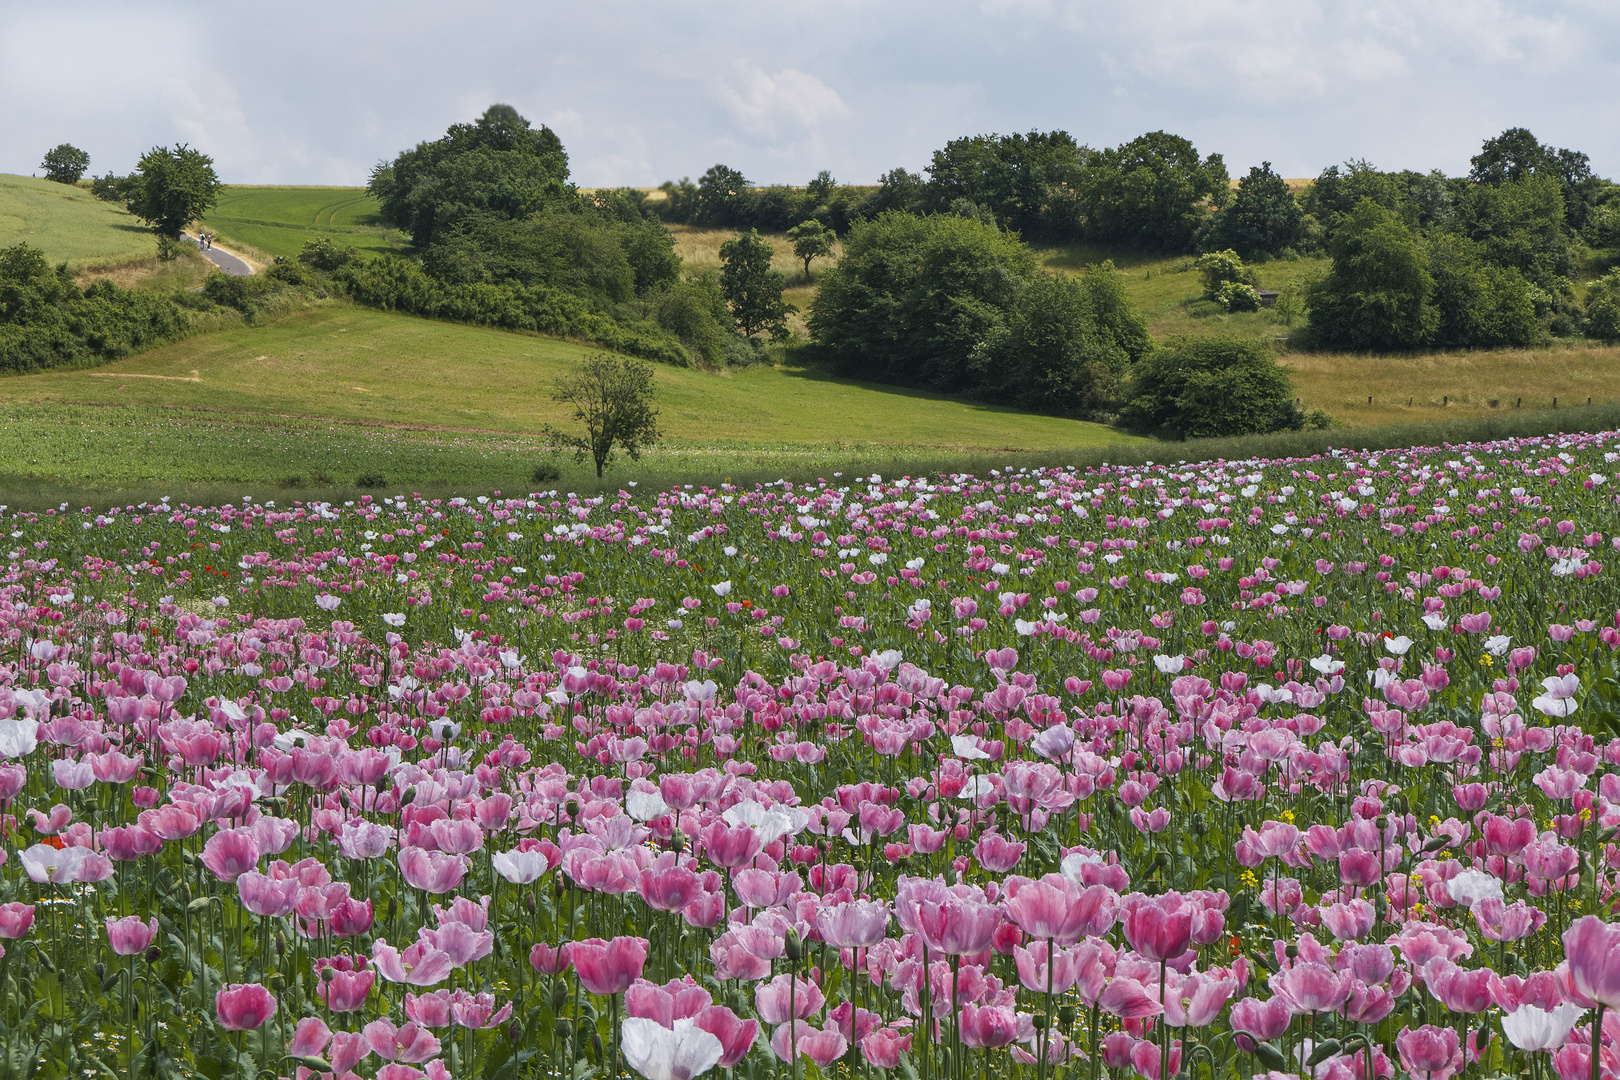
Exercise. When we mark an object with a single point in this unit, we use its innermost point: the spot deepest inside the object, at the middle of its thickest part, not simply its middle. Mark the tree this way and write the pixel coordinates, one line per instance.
(752, 288)
(1008, 176)
(1516, 156)
(1603, 308)
(1205, 387)
(1479, 305)
(1520, 224)
(1263, 218)
(717, 191)
(498, 168)
(1149, 192)
(1378, 295)
(912, 299)
(1064, 345)
(173, 188)
(613, 396)
(65, 164)
(811, 240)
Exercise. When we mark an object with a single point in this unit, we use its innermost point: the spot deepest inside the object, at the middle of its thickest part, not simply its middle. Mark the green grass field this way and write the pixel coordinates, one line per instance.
(478, 397)
(70, 225)
(280, 220)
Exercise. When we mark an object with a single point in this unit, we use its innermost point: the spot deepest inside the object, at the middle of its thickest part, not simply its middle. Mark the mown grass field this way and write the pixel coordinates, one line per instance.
(274, 221)
(70, 225)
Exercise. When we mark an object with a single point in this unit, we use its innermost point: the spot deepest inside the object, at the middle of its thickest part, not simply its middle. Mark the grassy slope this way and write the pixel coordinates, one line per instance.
(281, 220)
(69, 224)
(317, 390)
(355, 364)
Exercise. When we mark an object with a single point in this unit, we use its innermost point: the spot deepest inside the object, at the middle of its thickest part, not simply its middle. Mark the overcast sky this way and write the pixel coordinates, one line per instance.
(298, 92)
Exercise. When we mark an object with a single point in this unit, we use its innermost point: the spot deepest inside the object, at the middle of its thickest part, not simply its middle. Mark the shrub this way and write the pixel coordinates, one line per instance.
(546, 472)
(1238, 296)
(1206, 387)
(1603, 308)
(325, 256)
(1217, 269)
(371, 480)
(48, 322)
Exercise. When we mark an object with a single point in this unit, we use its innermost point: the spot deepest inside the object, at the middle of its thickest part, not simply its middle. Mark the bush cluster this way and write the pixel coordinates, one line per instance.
(46, 321)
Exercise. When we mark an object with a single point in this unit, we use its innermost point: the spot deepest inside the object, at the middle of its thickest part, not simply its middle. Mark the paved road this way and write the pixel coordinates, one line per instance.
(224, 260)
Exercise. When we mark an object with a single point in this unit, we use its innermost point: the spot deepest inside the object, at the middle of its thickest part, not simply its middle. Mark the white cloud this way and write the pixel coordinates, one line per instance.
(766, 104)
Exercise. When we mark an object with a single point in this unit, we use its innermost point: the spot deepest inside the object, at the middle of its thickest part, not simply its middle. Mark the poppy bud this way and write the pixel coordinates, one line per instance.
(559, 995)
(792, 946)
(1271, 1057)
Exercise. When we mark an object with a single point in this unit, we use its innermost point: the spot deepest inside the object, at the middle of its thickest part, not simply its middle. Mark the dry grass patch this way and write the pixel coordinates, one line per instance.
(1427, 386)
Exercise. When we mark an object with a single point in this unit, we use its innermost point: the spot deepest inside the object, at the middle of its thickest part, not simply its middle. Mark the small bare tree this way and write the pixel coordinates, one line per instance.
(613, 396)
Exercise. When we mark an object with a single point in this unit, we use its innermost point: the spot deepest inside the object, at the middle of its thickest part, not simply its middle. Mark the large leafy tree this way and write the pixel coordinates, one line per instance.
(1479, 305)
(752, 287)
(1011, 176)
(1516, 156)
(1379, 293)
(497, 168)
(1064, 345)
(1520, 224)
(912, 298)
(172, 188)
(1148, 192)
(65, 164)
(1263, 218)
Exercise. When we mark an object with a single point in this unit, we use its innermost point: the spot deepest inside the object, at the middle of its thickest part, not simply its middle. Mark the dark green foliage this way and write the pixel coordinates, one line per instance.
(1516, 156)
(1064, 345)
(505, 241)
(1603, 308)
(912, 298)
(899, 190)
(173, 188)
(1520, 224)
(1210, 387)
(65, 164)
(1479, 304)
(498, 168)
(613, 397)
(953, 304)
(1010, 176)
(110, 188)
(371, 480)
(397, 284)
(1147, 192)
(695, 312)
(48, 322)
(1263, 219)
(751, 288)
(325, 256)
(1377, 296)
(717, 191)
(1335, 193)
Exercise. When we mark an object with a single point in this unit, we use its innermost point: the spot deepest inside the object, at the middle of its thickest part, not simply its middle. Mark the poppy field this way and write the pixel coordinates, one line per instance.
(1276, 767)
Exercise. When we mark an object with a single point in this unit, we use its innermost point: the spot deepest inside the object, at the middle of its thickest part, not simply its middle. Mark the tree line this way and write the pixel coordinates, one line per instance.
(937, 286)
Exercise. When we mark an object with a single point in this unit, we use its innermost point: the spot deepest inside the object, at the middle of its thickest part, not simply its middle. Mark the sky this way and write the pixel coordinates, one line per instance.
(642, 91)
